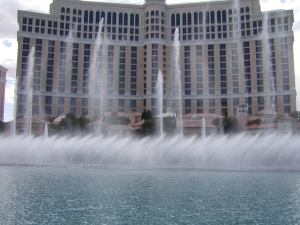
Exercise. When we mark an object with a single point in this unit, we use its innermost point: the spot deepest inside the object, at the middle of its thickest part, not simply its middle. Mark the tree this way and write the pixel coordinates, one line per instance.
(114, 119)
(2, 127)
(83, 124)
(257, 121)
(295, 115)
(69, 124)
(148, 127)
(151, 125)
(229, 125)
(123, 120)
(169, 125)
(147, 115)
(216, 122)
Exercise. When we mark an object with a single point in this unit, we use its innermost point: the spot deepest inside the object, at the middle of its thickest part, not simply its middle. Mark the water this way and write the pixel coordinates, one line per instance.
(88, 196)
(13, 130)
(46, 131)
(159, 86)
(241, 152)
(29, 86)
(93, 70)
(177, 78)
(203, 127)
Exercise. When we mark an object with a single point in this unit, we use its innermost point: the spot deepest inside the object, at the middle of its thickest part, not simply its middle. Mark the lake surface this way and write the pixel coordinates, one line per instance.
(39, 195)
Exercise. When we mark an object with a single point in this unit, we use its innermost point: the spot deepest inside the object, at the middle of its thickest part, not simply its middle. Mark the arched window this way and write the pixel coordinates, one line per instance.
(195, 18)
(86, 16)
(207, 17)
(157, 13)
(242, 10)
(230, 12)
(137, 20)
(219, 17)
(152, 13)
(162, 14)
(200, 18)
(79, 12)
(62, 10)
(74, 11)
(173, 20)
(109, 18)
(224, 16)
(131, 19)
(120, 18)
(212, 17)
(103, 16)
(97, 17)
(91, 20)
(114, 19)
(247, 9)
(147, 14)
(184, 19)
(125, 19)
(177, 19)
(189, 19)
(68, 10)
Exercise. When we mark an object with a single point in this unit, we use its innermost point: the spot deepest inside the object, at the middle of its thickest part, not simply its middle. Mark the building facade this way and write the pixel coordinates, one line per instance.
(3, 72)
(231, 53)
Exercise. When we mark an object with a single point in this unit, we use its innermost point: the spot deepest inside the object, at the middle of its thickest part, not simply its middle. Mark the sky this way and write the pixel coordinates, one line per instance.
(9, 45)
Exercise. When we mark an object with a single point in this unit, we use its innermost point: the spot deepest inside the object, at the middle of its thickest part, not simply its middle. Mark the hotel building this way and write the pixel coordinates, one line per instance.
(3, 72)
(230, 53)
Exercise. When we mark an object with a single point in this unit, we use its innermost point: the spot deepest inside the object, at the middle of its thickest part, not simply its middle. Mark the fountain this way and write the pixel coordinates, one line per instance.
(93, 68)
(13, 130)
(240, 152)
(203, 128)
(177, 78)
(46, 131)
(28, 113)
(159, 87)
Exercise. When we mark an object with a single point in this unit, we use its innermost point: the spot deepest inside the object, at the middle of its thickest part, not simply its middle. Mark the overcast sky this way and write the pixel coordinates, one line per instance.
(9, 28)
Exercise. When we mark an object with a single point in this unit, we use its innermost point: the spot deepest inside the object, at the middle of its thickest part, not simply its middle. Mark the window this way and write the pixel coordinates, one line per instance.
(286, 99)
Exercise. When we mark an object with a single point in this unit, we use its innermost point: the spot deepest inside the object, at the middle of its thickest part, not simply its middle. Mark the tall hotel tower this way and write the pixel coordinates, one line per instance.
(231, 53)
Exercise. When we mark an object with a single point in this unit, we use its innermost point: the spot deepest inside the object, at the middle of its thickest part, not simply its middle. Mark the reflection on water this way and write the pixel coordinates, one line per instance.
(95, 196)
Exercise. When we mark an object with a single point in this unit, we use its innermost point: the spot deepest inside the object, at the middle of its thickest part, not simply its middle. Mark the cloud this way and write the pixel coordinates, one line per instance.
(9, 91)
(9, 12)
(8, 112)
(7, 43)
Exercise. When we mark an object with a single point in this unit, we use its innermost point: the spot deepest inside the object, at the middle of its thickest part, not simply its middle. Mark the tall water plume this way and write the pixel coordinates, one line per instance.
(94, 69)
(268, 54)
(67, 48)
(236, 35)
(159, 86)
(203, 128)
(270, 48)
(14, 122)
(177, 78)
(28, 108)
(46, 130)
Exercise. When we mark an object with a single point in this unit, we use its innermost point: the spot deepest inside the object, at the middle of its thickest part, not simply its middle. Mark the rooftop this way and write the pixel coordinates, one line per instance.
(202, 115)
